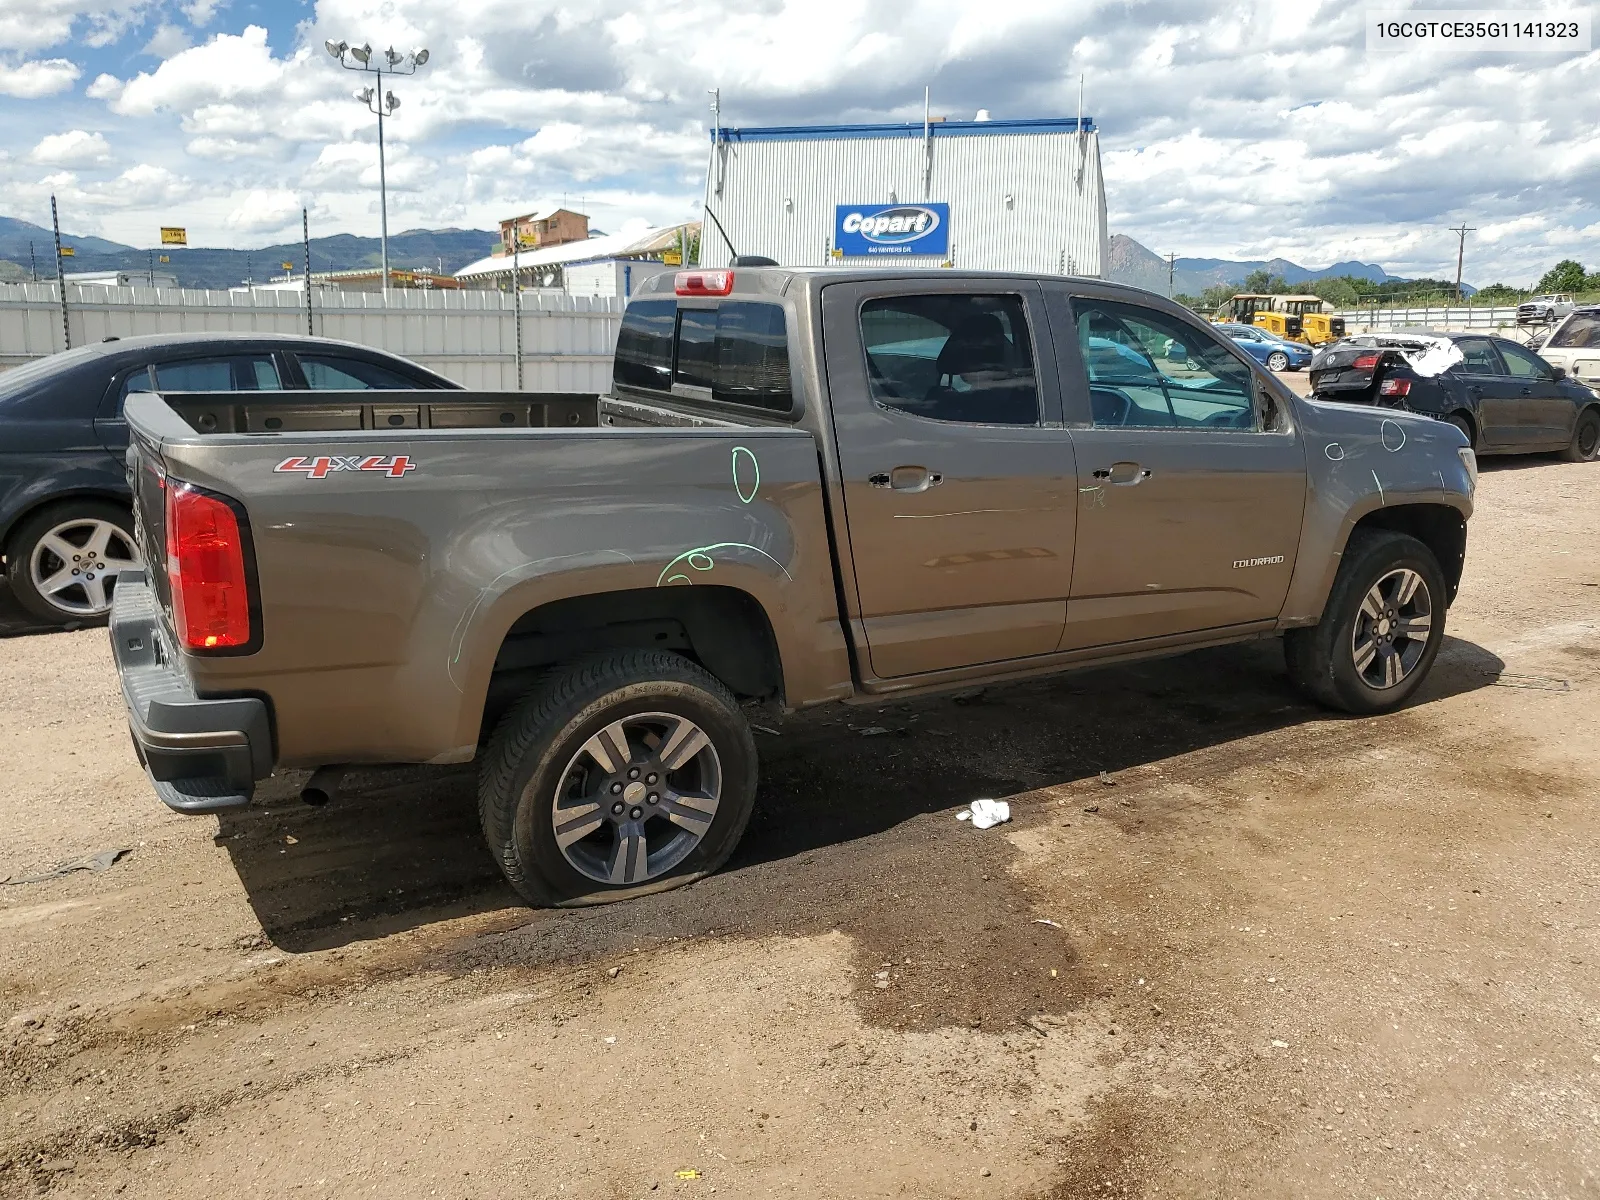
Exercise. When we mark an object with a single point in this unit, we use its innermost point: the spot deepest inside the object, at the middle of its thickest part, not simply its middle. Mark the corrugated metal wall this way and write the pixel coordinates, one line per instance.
(468, 336)
(778, 196)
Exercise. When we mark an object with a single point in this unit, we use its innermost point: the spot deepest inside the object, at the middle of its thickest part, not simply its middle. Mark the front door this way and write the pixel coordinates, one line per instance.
(1190, 490)
(958, 479)
(1545, 413)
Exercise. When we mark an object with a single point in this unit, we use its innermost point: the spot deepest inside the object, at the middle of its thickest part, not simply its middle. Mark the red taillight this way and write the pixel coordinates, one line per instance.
(205, 567)
(1366, 362)
(703, 283)
(1395, 387)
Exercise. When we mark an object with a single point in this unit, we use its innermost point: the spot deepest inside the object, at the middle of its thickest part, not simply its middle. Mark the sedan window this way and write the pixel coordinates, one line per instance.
(233, 373)
(1522, 364)
(1478, 357)
(325, 373)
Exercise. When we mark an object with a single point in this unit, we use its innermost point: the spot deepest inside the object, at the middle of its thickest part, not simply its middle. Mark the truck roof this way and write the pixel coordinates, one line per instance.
(773, 280)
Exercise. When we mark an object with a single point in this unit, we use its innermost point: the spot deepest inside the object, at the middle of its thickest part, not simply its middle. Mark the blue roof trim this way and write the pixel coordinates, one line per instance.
(822, 133)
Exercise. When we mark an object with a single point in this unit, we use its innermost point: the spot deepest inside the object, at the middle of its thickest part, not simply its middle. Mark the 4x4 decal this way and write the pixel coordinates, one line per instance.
(392, 465)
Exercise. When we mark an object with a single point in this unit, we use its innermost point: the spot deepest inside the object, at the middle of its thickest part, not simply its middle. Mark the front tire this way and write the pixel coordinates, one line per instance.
(1585, 445)
(64, 560)
(1277, 361)
(620, 775)
(1381, 629)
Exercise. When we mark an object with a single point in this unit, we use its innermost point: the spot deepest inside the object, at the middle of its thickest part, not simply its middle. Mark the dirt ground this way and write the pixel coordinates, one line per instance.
(1230, 945)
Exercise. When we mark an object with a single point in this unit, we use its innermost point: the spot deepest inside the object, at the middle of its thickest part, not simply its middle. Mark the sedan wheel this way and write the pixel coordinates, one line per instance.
(64, 561)
(1277, 361)
(76, 565)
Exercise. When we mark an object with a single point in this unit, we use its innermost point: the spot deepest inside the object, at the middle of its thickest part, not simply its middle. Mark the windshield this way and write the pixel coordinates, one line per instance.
(1580, 332)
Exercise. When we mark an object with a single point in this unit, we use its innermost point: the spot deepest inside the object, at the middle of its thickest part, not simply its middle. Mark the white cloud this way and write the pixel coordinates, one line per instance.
(75, 148)
(27, 25)
(200, 12)
(104, 87)
(166, 41)
(40, 77)
(264, 210)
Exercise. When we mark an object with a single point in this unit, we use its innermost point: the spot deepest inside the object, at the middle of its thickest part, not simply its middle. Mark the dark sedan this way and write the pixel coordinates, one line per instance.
(65, 523)
(1505, 398)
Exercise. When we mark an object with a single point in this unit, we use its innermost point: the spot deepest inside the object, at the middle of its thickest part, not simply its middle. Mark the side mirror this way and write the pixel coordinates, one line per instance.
(1558, 373)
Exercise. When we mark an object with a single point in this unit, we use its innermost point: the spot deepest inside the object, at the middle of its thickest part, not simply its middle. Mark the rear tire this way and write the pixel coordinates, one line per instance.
(1461, 423)
(1381, 629)
(620, 775)
(63, 561)
(1585, 445)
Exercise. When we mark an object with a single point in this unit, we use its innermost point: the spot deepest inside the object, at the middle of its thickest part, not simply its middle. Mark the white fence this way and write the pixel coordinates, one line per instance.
(1453, 319)
(469, 336)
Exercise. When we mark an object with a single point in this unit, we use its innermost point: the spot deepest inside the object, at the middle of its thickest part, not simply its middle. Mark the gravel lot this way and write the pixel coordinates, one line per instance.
(1230, 946)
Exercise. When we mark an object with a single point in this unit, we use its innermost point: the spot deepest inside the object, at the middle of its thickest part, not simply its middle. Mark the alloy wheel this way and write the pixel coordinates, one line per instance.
(75, 566)
(1392, 628)
(637, 798)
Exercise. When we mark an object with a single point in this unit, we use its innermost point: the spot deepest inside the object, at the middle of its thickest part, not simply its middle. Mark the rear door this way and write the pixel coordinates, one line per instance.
(1190, 491)
(1545, 413)
(1482, 376)
(958, 477)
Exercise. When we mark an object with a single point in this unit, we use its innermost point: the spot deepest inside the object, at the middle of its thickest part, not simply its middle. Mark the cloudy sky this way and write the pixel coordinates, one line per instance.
(1228, 130)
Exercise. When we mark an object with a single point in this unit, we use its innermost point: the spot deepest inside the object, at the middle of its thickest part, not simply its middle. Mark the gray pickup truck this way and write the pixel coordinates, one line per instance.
(805, 486)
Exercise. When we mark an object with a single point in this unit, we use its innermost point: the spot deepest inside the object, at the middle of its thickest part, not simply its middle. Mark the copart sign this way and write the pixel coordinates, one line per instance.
(860, 230)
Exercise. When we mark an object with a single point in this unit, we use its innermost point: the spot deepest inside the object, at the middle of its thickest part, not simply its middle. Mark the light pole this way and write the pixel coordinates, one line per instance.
(381, 104)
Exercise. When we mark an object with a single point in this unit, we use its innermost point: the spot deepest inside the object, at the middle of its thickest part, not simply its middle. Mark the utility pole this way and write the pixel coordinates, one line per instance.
(33, 263)
(516, 291)
(61, 278)
(1461, 232)
(305, 238)
(1172, 271)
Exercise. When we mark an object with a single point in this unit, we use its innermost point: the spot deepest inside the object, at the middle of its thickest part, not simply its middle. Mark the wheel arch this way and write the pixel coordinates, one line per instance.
(1439, 527)
(723, 628)
(8, 526)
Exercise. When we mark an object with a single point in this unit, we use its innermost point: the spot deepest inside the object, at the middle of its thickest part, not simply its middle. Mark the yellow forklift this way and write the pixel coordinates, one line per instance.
(1260, 309)
(1315, 317)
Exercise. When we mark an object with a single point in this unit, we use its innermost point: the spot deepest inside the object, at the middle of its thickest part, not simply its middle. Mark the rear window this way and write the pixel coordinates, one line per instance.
(736, 353)
(1581, 332)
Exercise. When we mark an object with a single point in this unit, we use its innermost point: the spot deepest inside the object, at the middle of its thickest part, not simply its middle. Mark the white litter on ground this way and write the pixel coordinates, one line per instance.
(986, 813)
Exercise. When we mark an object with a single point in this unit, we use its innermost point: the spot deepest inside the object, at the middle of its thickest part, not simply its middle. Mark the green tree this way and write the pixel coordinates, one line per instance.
(1499, 293)
(1260, 281)
(1567, 275)
(1337, 290)
(1215, 296)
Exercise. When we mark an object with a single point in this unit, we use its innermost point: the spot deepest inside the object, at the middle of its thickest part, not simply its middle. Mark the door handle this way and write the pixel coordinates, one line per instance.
(1527, 391)
(1123, 474)
(906, 479)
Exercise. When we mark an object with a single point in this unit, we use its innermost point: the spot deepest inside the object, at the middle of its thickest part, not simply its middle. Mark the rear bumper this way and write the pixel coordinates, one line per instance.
(202, 755)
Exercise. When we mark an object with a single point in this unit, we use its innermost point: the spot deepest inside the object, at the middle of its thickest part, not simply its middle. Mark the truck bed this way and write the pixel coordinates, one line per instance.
(400, 544)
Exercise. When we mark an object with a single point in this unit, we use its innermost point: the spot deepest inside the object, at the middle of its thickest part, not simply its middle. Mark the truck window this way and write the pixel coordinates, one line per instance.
(952, 358)
(734, 353)
(644, 346)
(1149, 369)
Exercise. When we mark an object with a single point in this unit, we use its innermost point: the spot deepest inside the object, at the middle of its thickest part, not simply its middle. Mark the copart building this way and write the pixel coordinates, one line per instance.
(980, 195)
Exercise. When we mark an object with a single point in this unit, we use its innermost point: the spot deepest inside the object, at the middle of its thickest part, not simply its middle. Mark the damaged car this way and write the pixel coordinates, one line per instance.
(1505, 398)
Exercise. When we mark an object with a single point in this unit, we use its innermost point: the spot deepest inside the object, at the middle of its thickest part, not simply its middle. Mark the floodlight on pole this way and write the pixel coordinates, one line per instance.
(381, 104)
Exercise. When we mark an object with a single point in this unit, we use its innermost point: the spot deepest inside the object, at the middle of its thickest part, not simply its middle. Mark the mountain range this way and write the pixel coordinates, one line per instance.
(1133, 263)
(200, 267)
(451, 249)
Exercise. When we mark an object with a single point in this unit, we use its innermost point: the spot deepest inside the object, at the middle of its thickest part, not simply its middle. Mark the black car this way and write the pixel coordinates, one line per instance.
(66, 527)
(1504, 397)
